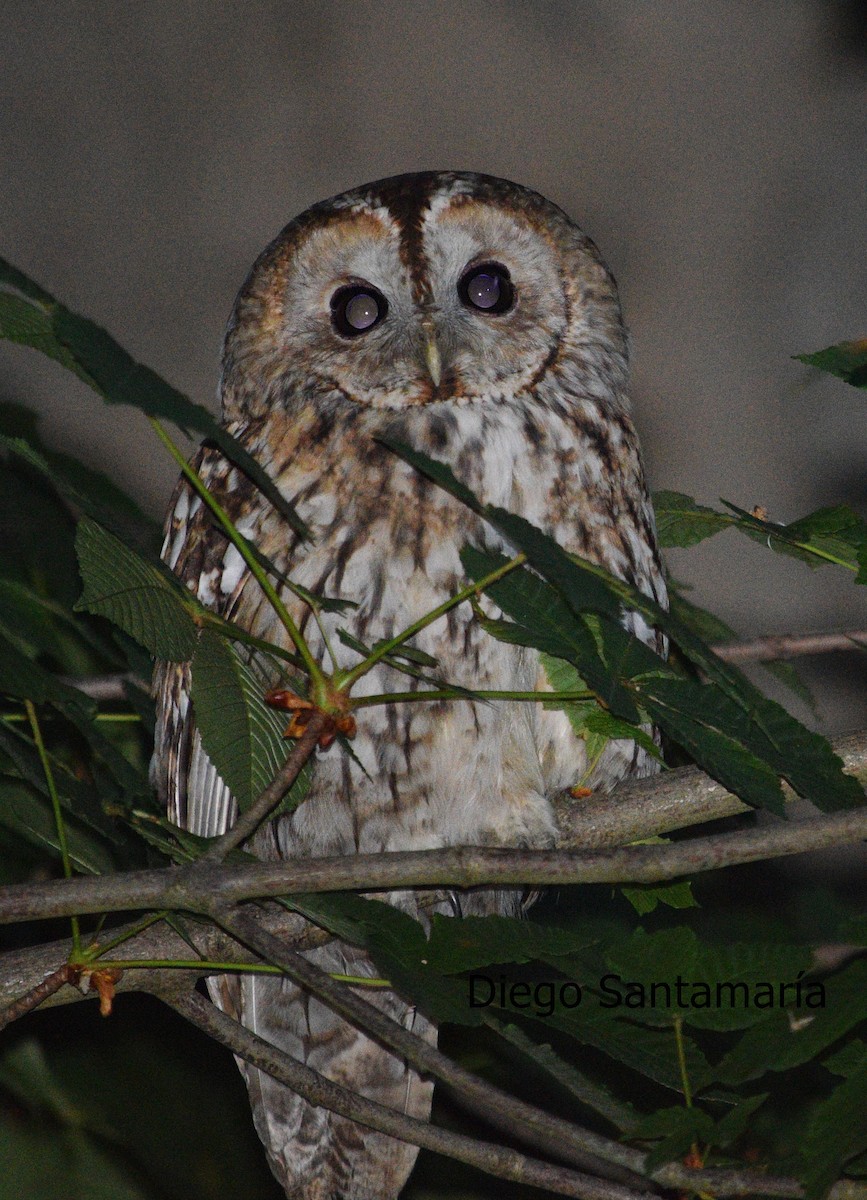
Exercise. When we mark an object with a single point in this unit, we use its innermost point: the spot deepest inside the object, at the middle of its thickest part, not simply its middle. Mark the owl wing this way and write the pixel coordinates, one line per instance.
(197, 551)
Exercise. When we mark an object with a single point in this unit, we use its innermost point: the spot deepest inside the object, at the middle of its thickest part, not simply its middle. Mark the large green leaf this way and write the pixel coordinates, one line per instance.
(764, 730)
(101, 362)
(243, 736)
(778, 1044)
(137, 595)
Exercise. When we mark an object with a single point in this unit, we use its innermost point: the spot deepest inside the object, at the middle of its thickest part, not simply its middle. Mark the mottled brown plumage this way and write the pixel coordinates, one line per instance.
(474, 320)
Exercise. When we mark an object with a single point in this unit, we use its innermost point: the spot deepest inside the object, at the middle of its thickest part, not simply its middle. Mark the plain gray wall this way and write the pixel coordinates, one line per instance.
(716, 153)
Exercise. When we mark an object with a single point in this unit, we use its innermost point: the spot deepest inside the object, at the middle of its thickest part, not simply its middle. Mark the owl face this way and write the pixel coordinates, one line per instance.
(417, 290)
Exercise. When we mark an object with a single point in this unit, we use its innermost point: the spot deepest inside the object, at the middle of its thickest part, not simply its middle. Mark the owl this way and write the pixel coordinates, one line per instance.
(472, 319)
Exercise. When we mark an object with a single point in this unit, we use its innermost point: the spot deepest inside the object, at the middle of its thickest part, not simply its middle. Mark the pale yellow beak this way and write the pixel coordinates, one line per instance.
(432, 359)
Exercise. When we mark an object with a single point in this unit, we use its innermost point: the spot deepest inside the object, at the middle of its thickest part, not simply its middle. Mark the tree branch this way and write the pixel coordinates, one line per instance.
(196, 888)
(500, 1161)
(789, 645)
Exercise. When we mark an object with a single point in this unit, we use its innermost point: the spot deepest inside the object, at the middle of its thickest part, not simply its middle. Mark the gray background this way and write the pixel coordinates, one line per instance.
(715, 152)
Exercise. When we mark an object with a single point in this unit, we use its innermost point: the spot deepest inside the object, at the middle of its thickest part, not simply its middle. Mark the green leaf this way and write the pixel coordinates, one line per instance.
(89, 491)
(242, 735)
(646, 899)
(837, 1132)
(710, 728)
(829, 535)
(847, 1060)
(138, 596)
(682, 522)
(26, 812)
(711, 987)
(777, 1044)
(473, 942)
(771, 741)
(95, 357)
(737, 1121)
(588, 1092)
(678, 1128)
(846, 360)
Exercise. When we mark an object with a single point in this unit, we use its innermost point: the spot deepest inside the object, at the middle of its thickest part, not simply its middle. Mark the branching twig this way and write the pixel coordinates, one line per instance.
(499, 1161)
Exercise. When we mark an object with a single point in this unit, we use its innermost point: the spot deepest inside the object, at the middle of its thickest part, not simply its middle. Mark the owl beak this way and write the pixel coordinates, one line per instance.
(432, 359)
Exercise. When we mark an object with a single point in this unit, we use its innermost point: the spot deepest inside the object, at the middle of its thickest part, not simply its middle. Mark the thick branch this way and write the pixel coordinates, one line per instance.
(195, 889)
(499, 1161)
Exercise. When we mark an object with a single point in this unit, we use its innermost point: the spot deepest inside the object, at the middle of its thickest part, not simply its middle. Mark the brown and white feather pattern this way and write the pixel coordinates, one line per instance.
(530, 411)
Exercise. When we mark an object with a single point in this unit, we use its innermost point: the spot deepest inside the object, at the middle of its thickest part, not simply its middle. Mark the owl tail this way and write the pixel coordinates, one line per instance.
(316, 1154)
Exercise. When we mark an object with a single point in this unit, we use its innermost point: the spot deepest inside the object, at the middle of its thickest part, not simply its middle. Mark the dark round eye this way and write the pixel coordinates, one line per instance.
(357, 308)
(487, 287)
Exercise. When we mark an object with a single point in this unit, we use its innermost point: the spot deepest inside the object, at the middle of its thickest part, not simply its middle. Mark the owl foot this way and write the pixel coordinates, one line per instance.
(302, 710)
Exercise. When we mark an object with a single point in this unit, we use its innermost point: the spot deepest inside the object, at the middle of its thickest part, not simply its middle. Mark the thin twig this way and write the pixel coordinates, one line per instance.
(789, 645)
(499, 1161)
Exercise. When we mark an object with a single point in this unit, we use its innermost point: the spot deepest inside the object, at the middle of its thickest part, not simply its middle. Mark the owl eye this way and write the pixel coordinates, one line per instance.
(357, 308)
(487, 287)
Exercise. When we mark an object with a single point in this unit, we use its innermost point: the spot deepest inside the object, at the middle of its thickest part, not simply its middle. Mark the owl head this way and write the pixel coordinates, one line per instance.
(421, 289)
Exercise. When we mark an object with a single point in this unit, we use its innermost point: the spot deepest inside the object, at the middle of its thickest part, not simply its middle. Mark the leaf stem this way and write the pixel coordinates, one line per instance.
(384, 648)
(58, 813)
(449, 694)
(317, 676)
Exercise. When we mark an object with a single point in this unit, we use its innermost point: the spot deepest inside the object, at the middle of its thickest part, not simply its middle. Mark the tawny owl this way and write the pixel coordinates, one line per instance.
(471, 318)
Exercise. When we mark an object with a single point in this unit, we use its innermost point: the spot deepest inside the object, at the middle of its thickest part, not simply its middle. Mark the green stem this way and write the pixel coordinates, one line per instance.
(317, 677)
(95, 952)
(380, 651)
(187, 964)
(681, 1059)
(448, 694)
(58, 814)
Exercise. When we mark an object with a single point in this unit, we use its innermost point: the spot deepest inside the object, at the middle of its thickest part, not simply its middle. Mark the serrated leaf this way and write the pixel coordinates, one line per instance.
(836, 1132)
(242, 735)
(681, 522)
(829, 535)
(26, 812)
(773, 743)
(93, 354)
(135, 594)
(711, 987)
(846, 360)
(778, 1044)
